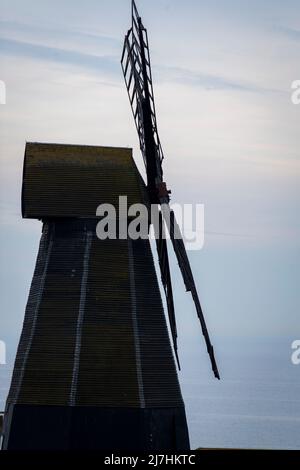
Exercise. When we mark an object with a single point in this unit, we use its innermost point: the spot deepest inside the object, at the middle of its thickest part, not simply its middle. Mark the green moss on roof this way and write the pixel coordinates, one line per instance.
(73, 180)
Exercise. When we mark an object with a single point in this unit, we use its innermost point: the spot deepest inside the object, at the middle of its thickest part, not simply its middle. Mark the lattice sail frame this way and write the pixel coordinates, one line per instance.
(136, 68)
(136, 45)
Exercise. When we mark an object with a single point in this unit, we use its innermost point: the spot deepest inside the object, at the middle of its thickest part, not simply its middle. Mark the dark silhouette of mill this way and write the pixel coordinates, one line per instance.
(94, 367)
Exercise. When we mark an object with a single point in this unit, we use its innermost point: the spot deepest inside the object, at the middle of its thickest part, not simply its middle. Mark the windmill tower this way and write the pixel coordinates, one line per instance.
(94, 367)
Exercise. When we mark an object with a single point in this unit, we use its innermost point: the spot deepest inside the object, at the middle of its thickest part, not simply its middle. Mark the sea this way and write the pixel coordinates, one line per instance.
(255, 405)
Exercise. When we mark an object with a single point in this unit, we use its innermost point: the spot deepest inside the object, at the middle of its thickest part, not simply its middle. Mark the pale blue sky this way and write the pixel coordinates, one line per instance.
(223, 72)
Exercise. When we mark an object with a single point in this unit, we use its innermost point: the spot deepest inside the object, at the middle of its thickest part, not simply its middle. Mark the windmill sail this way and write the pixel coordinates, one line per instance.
(136, 68)
(163, 258)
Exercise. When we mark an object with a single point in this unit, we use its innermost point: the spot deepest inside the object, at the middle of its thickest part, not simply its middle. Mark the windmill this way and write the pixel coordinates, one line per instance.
(94, 367)
(137, 73)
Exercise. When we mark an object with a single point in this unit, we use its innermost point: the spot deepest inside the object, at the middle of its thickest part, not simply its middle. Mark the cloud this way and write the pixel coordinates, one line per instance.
(208, 82)
(109, 64)
(16, 29)
(96, 52)
(291, 33)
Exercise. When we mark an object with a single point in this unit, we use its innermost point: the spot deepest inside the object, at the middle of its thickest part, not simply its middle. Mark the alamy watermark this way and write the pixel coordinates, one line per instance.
(295, 96)
(139, 221)
(295, 357)
(2, 353)
(2, 92)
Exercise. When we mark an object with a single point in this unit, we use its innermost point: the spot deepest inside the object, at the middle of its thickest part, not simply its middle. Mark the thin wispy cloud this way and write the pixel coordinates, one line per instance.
(208, 82)
(293, 34)
(110, 65)
(23, 49)
(16, 29)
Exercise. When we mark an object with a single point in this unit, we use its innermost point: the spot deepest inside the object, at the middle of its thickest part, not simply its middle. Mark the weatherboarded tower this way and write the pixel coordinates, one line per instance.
(94, 367)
